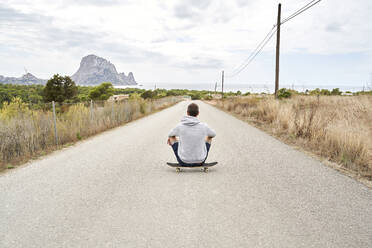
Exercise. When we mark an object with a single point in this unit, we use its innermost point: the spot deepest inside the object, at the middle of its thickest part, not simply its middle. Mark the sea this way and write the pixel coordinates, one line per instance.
(248, 87)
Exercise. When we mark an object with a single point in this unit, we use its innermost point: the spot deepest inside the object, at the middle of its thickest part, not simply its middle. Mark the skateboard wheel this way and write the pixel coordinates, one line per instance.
(205, 169)
(178, 169)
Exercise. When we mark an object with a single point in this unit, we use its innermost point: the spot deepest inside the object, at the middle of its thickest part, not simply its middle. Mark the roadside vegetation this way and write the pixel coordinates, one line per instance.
(61, 90)
(28, 133)
(27, 127)
(335, 127)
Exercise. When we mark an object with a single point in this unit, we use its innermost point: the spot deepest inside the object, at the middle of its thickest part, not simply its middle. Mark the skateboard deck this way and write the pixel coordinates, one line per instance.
(204, 166)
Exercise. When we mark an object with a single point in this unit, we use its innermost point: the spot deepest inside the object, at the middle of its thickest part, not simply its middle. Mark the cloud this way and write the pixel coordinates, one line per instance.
(164, 34)
(36, 34)
(131, 54)
(334, 27)
(184, 11)
(191, 8)
(12, 16)
(242, 3)
(200, 63)
(201, 4)
(97, 2)
(39, 30)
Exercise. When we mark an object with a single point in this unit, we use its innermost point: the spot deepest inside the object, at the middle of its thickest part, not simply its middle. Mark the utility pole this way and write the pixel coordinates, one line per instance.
(277, 50)
(215, 88)
(223, 77)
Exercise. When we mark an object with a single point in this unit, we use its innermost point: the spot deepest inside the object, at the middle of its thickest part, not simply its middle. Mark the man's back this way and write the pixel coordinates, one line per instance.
(192, 133)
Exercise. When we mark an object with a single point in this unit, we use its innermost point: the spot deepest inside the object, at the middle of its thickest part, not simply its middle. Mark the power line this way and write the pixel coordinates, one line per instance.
(268, 34)
(254, 53)
(297, 11)
(301, 10)
(268, 37)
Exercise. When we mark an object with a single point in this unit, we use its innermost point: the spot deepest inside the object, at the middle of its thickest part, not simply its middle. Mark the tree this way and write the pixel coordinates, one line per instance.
(59, 89)
(101, 92)
(336, 92)
(148, 94)
(70, 88)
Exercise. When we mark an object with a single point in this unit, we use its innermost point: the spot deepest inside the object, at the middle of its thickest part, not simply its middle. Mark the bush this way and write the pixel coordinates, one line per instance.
(101, 92)
(284, 93)
(207, 97)
(325, 92)
(148, 94)
(195, 96)
(336, 92)
(15, 108)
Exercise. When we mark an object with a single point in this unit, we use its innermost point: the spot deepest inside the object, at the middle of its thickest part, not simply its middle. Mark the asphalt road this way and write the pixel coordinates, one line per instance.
(115, 190)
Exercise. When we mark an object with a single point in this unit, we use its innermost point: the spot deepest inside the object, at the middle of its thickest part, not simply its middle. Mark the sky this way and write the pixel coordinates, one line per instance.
(189, 41)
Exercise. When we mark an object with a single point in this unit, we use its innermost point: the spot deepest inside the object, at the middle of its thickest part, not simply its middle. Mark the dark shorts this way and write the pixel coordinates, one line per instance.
(175, 149)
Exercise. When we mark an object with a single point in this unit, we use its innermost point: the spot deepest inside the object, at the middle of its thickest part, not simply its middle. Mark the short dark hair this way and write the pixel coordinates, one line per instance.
(193, 109)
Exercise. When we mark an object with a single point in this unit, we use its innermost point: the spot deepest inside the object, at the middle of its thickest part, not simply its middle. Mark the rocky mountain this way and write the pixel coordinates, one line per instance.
(94, 70)
(26, 79)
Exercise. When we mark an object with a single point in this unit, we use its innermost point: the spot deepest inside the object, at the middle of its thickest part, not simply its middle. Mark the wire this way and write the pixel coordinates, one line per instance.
(254, 53)
(300, 11)
(268, 34)
(297, 11)
(268, 37)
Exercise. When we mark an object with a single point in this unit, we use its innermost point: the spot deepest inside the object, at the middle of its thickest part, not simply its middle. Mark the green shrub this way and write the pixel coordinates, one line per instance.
(101, 92)
(207, 97)
(284, 93)
(325, 92)
(148, 94)
(195, 96)
(336, 92)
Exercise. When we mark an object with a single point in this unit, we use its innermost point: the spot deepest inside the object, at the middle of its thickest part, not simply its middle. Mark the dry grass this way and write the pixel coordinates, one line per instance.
(29, 133)
(338, 128)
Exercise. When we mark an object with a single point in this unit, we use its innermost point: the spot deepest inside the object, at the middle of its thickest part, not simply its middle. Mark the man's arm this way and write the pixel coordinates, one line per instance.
(210, 132)
(172, 135)
(174, 132)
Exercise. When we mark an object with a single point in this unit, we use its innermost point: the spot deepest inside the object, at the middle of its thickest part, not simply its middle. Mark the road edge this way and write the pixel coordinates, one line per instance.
(321, 159)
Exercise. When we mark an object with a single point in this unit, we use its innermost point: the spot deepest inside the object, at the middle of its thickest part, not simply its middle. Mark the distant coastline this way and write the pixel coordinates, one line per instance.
(253, 88)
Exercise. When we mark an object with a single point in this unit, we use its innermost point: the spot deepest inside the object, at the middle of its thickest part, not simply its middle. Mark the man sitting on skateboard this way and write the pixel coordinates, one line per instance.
(194, 137)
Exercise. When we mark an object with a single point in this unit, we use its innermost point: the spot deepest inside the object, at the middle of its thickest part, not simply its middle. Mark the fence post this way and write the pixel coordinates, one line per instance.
(91, 110)
(55, 122)
(112, 112)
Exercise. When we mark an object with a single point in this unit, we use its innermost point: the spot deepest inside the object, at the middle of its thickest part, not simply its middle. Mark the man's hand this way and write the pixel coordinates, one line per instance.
(209, 139)
(171, 140)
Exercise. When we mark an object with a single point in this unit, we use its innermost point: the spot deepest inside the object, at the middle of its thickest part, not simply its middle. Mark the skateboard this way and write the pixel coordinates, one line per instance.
(204, 166)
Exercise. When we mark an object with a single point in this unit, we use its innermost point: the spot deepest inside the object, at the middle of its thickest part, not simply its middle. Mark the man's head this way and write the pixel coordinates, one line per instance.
(193, 110)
